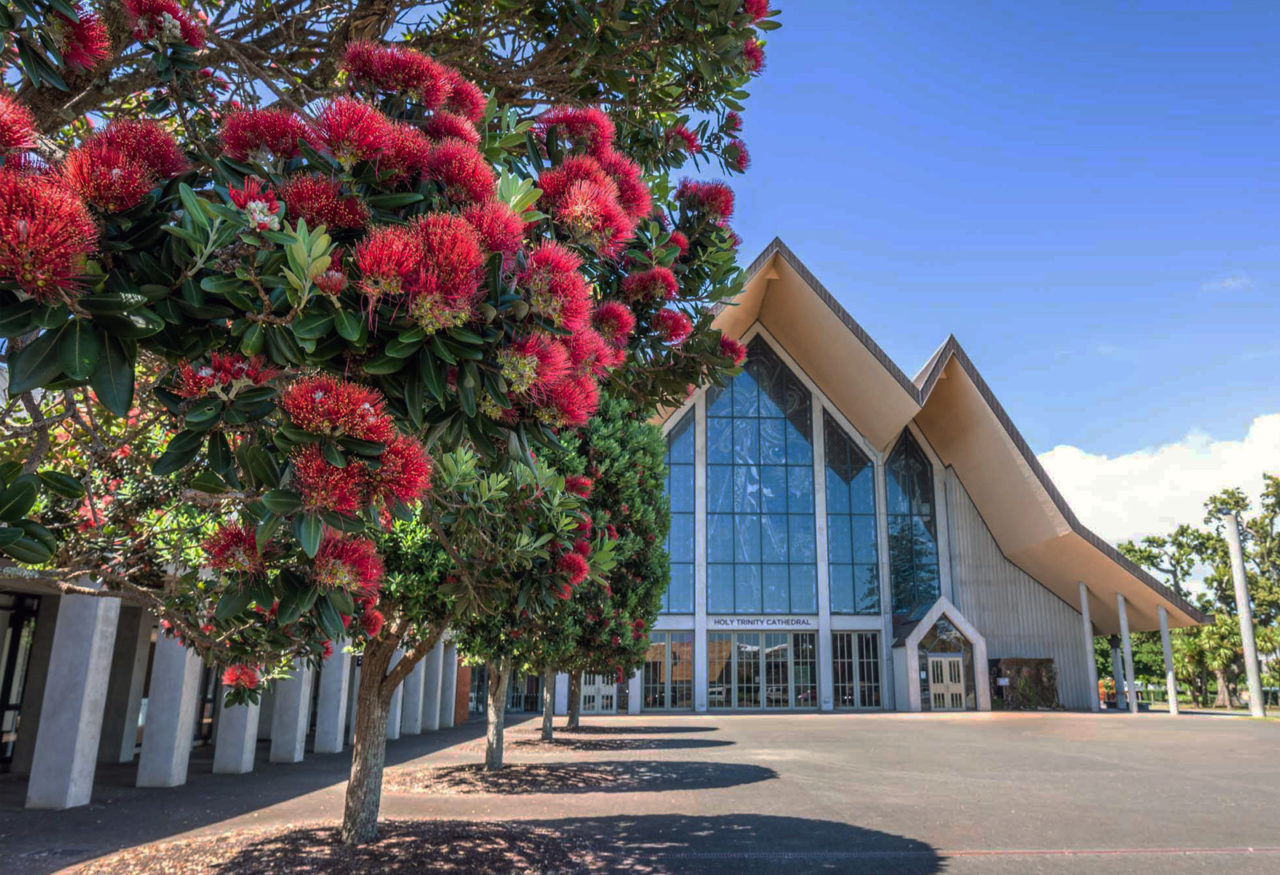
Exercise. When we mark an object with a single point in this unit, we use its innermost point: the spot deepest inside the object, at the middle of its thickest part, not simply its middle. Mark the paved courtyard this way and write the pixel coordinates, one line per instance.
(968, 793)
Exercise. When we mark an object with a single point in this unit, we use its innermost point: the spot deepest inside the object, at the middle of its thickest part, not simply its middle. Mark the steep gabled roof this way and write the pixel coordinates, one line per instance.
(965, 424)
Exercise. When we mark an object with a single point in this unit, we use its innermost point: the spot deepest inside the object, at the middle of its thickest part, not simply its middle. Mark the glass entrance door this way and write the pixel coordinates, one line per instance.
(772, 670)
(599, 694)
(777, 670)
(946, 683)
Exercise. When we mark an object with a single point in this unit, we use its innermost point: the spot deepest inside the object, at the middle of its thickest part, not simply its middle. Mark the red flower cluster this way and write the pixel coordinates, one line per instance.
(500, 229)
(350, 564)
(732, 122)
(692, 144)
(262, 135)
(114, 170)
(737, 155)
(713, 198)
(372, 621)
(325, 486)
(557, 291)
(164, 21)
(46, 235)
(733, 350)
(258, 203)
(461, 171)
(674, 325)
(225, 374)
(574, 567)
(680, 242)
(450, 126)
(327, 406)
(753, 54)
(242, 676)
(578, 485)
(17, 126)
(757, 9)
(234, 547)
(84, 41)
(615, 322)
(397, 70)
(404, 473)
(654, 284)
(320, 201)
(587, 129)
(534, 364)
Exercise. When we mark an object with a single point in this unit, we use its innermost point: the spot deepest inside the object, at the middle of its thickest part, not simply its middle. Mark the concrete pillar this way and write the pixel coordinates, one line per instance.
(561, 706)
(411, 710)
(1245, 612)
(125, 686)
(700, 554)
(1130, 687)
(397, 704)
(291, 716)
(1091, 661)
(236, 741)
(75, 691)
(266, 707)
(449, 686)
(33, 687)
(171, 715)
(433, 682)
(826, 680)
(635, 692)
(1117, 672)
(331, 703)
(1170, 680)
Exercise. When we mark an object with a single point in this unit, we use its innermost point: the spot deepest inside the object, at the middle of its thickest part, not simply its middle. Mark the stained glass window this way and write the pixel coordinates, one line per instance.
(761, 540)
(678, 598)
(852, 549)
(913, 529)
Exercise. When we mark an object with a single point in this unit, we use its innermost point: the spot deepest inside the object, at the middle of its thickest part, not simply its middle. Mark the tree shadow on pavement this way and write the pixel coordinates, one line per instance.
(605, 776)
(647, 844)
(621, 743)
(635, 730)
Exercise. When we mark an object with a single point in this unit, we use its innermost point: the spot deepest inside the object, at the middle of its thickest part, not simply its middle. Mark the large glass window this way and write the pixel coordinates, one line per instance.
(762, 670)
(855, 663)
(852, 553)
(913, 529)
(678, 598)
(761, 540)
(666, 682)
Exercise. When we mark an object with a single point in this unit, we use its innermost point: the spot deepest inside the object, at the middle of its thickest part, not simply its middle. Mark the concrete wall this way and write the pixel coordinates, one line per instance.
(1018, 616)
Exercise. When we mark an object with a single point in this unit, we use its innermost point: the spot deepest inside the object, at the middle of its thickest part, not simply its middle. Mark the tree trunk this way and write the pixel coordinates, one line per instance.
(575, 699)
(548, 703)
(369, 750)
(499, 677)
(1223, 699)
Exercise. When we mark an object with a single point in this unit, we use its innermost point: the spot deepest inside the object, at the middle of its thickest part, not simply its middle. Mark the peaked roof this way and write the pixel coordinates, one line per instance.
(966, 426)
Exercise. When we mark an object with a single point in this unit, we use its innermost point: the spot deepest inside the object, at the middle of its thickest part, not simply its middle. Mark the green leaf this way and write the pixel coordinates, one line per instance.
(18, 499)
(295, 601)
(112, 379)
(17, 318)
(8, 536)
(264, 533)
(328, 616)
(36, 364)
(181, 450)
(191, 206)
(282, 501)
(342, 602)
(78, 349)
(28, 550)
(62, 484)
(347, 324)
(209, 482)
(363, 448)
(309, 528)
(233, 603)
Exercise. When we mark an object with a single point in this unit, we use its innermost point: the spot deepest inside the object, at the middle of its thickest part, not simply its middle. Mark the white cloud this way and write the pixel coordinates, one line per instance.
(1232, 282)
(1152, 491)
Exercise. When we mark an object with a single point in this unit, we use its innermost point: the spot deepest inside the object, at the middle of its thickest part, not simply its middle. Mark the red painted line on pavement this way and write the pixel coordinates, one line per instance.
(1102, 852)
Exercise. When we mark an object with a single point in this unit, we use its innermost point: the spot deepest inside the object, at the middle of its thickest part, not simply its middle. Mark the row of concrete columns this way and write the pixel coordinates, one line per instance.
(86, 675)
(1122, 657)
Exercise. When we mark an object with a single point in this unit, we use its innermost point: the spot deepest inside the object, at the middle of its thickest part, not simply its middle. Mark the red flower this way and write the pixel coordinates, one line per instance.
(572, 401)
(85, 41)
(556, 290)
(319, 200)
(106, 177)
(262, 134)
(326, 487)
(674, 325)
(589, 354)
(555, 182)
(753, 54)
(324, 405)
(327, 650)
(234, 547)
(148, 143)
(611, 532)
(17, 125)
(371, 621)
(397, 70)
(333, 280)
(592, 215)
(242, 676)
(737, 155)
(757, 9)
(499, 228)
(680, 242)
(732, 122)
(404, 474)
(404, 155)
(534, 364)
(633, 193)
(164, 21)
(578, 485)
(564, 592)
(224, 371)
(350, 564)
(465, 99)
(587, 128)
(713, 198)
(352, 131)
(450, 126)
(388, 260)
(615, 322)
(448, 274)
(461, 171)
(692, 144)
(574, 567)
(582, 547)
(258, 203)
(733, 350)
(46, 234)
(654, 284)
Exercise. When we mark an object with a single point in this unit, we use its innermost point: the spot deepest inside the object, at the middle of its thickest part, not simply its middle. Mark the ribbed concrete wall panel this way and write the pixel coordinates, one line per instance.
(1018, 616)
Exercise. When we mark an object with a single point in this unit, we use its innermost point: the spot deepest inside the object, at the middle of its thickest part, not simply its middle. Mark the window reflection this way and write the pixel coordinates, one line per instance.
(852, 551)
(913, 529)
(678, 599)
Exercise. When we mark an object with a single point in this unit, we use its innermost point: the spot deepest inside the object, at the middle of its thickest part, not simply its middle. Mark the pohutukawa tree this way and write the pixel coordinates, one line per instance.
(232, 335)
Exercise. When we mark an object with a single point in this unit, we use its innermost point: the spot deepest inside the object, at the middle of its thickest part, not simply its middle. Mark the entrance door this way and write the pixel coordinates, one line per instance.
(599, 694)
(946, 683)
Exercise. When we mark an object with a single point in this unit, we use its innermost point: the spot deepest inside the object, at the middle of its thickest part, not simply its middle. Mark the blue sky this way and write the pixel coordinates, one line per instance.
(1085, 194)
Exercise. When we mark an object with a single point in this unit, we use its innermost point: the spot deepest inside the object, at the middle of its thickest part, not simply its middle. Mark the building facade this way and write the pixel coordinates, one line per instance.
(845, 537)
